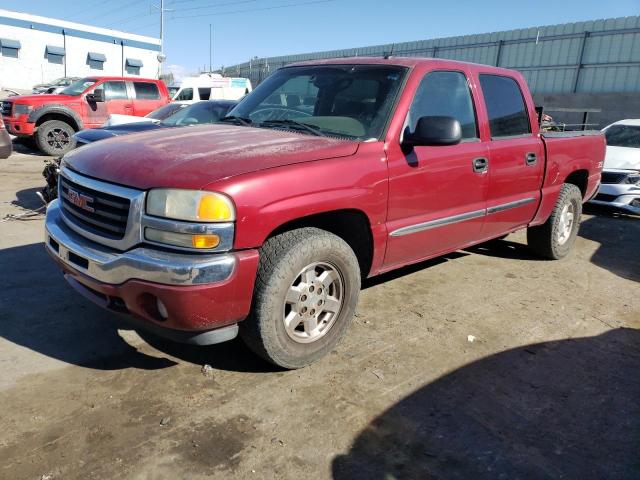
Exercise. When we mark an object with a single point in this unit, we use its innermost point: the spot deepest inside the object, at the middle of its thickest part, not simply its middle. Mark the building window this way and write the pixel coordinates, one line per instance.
(54, 54)
(132, 66)
(96, 60)
(9, 48)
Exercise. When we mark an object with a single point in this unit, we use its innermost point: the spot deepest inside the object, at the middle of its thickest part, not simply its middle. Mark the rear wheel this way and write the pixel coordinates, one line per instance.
(305, 296)
(55, 138)
(556, 236)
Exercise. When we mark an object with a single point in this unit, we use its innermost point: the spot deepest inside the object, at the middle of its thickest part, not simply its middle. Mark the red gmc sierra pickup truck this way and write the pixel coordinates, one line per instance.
(51, 120)
(327, 173)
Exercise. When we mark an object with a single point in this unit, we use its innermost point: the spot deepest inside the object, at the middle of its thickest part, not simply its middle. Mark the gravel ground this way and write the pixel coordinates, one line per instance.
(488, 363)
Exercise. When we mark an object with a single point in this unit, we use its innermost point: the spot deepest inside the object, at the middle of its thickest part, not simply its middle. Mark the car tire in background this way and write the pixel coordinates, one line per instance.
(55, 137)
(554, 238)
(305, 297)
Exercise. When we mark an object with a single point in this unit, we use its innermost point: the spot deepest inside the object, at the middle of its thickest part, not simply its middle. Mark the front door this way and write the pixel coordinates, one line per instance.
(116, 101)
(437, 194)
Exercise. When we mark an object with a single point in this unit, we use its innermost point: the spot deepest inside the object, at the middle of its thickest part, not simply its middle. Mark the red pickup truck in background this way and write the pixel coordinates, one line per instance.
(327, 173)
(51, 120)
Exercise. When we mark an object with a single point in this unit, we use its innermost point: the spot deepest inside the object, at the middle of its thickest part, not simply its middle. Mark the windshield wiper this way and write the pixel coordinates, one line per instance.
(233, 118)
(293, 123)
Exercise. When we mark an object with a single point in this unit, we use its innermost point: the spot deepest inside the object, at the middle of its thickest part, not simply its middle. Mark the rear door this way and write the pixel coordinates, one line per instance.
(516, 157)
(437, 193)
(147, 98)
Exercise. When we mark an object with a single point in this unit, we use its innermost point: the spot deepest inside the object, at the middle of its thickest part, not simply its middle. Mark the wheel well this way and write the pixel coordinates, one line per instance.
(58, 116)
(350, 225)
(579, 178)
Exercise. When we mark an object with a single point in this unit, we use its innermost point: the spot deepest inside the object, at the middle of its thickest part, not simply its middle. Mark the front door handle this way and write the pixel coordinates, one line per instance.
(530, 159)
(480, 165)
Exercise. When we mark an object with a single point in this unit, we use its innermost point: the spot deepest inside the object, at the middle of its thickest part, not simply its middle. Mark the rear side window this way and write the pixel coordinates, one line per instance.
(445, 94)
(185, 94)
(115, 91)
(146, 91)
(204, 93)
(505, 106)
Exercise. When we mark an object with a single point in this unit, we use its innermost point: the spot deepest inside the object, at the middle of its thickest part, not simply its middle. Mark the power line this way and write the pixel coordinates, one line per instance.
(113, 10)
(253, 9)
(217, 5)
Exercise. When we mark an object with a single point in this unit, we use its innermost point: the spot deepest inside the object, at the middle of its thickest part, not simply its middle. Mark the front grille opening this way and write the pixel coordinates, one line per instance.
(54, 245)
(97, 212)
(78, 261)
(603, 197)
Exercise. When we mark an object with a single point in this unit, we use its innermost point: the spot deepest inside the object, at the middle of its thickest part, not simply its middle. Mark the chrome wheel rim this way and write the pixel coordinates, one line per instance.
(313, 302)
(565, 226)
(58, 138)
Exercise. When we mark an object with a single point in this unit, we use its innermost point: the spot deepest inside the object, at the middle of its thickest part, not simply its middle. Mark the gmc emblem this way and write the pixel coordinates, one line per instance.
(80, 200)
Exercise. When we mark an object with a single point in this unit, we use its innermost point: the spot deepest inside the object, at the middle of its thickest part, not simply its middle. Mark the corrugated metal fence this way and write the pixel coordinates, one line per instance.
(593, 56)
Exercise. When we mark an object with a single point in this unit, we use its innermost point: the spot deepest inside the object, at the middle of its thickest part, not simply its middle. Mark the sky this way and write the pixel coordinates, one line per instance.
(243, 29)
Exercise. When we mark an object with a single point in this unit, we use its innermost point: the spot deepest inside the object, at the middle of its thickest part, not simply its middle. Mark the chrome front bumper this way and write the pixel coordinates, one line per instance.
(111, 266)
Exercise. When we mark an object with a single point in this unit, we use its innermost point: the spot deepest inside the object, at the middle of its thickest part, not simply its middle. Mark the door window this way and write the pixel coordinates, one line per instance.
(115, 91)
(505, 106)
(445, 94)
(205, 93)
(185, 94)
(146, 91)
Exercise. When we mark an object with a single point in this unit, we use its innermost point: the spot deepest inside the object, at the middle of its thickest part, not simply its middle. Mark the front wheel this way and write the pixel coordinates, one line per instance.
(554, 238)
(305, 296)
(55, 138)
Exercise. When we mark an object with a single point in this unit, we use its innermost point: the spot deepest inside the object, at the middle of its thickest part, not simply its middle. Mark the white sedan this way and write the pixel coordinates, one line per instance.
(620, 187)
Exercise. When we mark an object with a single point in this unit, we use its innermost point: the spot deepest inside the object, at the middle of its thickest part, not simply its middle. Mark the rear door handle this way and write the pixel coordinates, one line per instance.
(530, 159)
(480, 165)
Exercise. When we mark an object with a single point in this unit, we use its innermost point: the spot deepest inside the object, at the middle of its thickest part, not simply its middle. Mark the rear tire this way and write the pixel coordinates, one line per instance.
(305, 297)
(554, 238)
(55, 138)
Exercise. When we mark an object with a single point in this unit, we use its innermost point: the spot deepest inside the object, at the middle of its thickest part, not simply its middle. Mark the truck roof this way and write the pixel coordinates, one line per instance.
(105, 77)
(404, 62)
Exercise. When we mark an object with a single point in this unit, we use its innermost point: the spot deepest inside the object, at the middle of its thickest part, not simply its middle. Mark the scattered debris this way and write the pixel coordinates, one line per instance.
(278, 441)
(471, 338)
(417, 313)
(378, 373)
(165, 421)
(207, 371)
(46, 476)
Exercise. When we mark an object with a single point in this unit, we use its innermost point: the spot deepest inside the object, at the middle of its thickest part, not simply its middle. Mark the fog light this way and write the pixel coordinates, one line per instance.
(162, 310)
(636, 202)
(182, 239)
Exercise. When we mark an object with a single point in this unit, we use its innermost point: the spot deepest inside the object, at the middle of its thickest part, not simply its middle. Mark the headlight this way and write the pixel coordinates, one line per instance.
(19, 109)
(190, 205)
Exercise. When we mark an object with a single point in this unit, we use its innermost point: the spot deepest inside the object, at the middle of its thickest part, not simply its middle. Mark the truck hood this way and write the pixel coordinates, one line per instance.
(194, 157)
(42, 98)
(623, 158)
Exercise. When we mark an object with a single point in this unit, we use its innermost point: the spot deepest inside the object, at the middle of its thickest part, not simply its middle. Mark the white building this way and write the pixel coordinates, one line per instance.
(36, 49)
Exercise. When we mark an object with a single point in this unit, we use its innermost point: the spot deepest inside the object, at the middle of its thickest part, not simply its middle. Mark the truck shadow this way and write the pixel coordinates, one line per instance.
(563, 409)
(618, 238)
(38, 311)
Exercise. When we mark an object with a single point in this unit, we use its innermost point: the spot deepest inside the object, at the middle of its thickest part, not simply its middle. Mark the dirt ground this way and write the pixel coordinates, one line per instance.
(548, 388)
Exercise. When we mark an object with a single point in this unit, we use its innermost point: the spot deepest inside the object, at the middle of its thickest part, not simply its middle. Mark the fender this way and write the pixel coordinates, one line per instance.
(39, 112)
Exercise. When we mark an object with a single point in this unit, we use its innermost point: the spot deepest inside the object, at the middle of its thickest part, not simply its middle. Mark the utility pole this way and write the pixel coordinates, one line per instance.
(161, 56)
(210, 50)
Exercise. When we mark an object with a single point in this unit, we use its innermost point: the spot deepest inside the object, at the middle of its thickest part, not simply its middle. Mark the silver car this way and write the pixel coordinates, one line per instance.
(620, 187)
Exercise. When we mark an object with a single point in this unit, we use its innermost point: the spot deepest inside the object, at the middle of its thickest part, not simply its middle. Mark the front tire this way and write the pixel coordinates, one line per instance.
(305, 297)
(554, 238)
(55, 138)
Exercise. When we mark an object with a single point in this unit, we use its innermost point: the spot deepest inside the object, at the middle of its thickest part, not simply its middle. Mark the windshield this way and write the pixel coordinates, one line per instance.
(79, 86)
(623, 136)
(351, 101)
(165, 111)
(197, 114)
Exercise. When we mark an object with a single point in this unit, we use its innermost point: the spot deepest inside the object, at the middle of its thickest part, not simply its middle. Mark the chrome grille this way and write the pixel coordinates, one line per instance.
(101, 213)
(6, 108)
(613, 177)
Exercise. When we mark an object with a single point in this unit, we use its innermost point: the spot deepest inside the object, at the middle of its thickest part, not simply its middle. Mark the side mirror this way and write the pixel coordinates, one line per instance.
(436, 130)
(96, 96)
